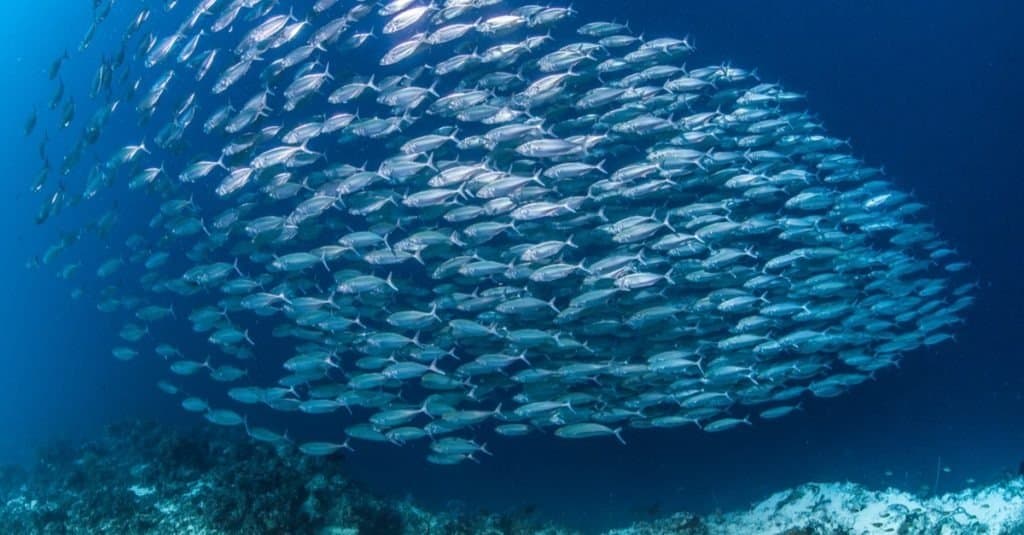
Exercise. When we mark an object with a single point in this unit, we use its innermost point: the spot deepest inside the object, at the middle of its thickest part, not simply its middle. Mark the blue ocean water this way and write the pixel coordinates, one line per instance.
(930, 90)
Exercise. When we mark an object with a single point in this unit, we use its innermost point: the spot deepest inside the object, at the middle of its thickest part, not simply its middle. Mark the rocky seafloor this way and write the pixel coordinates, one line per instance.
(144, 478)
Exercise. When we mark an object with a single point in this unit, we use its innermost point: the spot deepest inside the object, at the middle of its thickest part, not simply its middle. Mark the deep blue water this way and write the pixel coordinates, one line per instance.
(931, 90)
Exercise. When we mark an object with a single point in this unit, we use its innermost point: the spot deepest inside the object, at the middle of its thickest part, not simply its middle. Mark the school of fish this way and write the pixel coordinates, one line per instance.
(435, 222)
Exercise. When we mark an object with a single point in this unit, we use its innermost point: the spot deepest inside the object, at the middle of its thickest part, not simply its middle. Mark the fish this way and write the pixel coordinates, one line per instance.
(588, 430)
(57, 64)
(497, 218)
(30, 123)
(223, 417)
(319, 449)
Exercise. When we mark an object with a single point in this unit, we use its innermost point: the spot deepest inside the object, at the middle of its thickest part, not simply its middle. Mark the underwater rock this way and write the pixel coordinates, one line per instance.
(848, 508)
(144, 478)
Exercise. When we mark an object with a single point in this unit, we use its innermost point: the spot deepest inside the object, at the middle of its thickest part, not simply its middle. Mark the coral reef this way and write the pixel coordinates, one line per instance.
(144, 478)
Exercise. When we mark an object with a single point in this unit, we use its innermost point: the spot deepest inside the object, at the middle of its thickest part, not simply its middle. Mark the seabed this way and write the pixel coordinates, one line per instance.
(141, 477)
